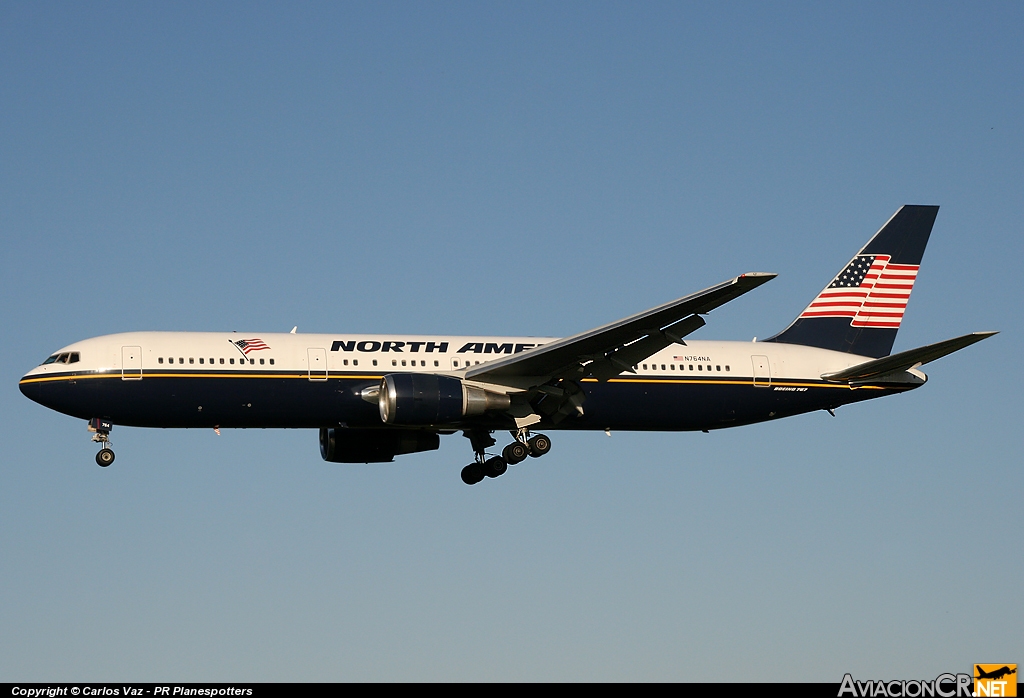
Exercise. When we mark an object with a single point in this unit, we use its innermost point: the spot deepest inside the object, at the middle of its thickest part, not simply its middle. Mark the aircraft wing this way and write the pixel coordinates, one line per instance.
(911, 358)
(609, 350)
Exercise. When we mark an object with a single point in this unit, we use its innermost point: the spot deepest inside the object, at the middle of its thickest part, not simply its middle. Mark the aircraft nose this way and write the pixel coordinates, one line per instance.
(30, 389)
(36, 388)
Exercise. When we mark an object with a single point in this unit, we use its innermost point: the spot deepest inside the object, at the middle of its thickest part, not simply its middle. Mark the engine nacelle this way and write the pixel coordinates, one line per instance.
(374, 445)
(425, 399)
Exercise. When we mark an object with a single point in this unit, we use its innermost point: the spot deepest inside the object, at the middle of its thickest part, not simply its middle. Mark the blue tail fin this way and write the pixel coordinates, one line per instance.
(860, 311)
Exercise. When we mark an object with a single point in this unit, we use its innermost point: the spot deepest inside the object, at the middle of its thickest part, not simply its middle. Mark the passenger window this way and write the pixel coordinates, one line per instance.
(345, 362)
(672, 367)
(212, 362)
(663, 367)
(691, 367)
(394, 362)
(375, 362)
(718, 368)
(261, 362)
(191, 360)
(403, 362)
(252, 362)
(160, 360)
(455, 363)
(231, 361)
(645, 367)
(699, 367)
(200, 359)
(727, 367)
(222, 360)
(709, 368)
(181, 359)
(436, 364)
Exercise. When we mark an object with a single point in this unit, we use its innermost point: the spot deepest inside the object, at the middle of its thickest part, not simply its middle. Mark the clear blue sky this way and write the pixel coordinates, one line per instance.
(509, 168)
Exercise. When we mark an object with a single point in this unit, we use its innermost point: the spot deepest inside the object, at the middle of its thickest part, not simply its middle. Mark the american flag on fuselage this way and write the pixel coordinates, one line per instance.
(247, 345)
(870, 291)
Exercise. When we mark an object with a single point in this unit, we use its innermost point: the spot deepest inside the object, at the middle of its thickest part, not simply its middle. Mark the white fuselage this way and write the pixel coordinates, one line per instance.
(195, 379)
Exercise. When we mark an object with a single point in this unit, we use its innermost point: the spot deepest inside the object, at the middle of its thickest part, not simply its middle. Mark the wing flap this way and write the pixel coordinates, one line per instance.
(904, 360)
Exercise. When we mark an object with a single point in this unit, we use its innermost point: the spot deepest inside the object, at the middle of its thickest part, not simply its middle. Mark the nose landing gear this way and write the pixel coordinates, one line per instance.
(100, 429)
(516, 452)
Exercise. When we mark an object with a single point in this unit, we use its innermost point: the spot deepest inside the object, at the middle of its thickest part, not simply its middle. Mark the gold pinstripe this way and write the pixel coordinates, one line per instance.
(146, 374)
(780, 382)
(305, 376)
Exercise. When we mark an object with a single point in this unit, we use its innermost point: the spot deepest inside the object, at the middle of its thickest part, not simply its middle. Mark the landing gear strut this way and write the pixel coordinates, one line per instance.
(481, 466)
(100, 429)
(516, 452)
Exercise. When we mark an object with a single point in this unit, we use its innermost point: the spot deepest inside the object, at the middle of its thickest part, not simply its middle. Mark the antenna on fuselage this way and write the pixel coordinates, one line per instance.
(294, 329)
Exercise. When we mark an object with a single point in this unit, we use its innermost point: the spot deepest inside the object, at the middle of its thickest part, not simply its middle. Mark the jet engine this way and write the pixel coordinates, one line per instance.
(374, 445)
(425, 399)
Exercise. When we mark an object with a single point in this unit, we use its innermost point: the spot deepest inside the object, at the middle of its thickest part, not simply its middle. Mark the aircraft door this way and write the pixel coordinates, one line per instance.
(317, 363)
(762, 373)
(131, 363)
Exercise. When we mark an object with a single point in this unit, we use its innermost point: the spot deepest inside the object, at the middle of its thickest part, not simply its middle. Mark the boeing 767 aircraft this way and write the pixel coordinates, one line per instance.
(374, 397)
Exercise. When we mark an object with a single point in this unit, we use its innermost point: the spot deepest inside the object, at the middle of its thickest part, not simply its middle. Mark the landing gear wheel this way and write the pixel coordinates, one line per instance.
(515, 452)
(472, 473)
(104, 457)
(493, 467)
(539, 445)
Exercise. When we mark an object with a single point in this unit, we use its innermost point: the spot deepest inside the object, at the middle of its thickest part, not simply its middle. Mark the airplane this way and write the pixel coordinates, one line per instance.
(374, 397)
(996, 674)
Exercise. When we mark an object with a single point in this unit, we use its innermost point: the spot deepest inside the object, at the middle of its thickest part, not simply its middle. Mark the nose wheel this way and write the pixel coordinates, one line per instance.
(519, 450)
(104, 457)
(100, 429)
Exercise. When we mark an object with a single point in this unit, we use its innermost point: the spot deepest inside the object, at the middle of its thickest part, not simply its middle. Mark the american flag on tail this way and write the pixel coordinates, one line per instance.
(870, 291)
(247, 345)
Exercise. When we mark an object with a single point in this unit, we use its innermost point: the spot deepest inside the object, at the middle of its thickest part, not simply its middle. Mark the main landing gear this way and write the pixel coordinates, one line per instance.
(100, 429)
(519, 450)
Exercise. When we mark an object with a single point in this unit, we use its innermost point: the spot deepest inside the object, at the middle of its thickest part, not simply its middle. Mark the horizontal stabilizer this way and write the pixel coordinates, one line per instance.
(905, 359)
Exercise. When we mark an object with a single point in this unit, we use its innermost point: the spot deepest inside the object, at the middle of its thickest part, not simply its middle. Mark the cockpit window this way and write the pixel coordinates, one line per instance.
(68, 357)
